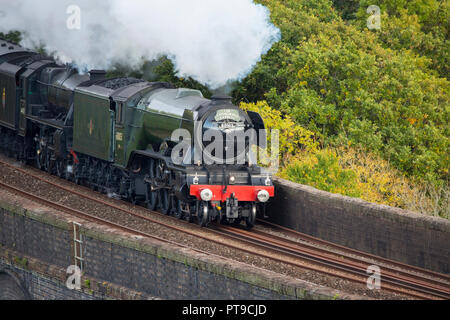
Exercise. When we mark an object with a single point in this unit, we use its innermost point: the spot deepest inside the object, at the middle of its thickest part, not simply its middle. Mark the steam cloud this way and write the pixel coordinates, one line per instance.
(212, 41)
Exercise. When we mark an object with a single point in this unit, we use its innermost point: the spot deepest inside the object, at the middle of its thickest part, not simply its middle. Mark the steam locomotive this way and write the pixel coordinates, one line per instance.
(116, 137)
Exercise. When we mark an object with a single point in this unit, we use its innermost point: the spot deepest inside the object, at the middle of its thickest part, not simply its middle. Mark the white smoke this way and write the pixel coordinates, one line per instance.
(212, 41)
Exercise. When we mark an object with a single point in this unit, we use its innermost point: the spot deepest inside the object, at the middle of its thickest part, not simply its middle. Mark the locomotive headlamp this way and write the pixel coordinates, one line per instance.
(263, 196)
(232, 180)
(206, 195)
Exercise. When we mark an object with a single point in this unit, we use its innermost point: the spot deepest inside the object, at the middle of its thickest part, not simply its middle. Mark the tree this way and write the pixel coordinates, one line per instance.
(12, 36)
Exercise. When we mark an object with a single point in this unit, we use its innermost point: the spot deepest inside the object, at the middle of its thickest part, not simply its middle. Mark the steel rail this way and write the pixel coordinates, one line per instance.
(87, 216)
(306, 237)
(237, 247)
(327, 259)
(358, 263)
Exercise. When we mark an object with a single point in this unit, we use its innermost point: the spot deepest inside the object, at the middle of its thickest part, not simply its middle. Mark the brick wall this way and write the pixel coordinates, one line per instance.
(393, 233)
(35, 286)
(37, 245)
(11, 287)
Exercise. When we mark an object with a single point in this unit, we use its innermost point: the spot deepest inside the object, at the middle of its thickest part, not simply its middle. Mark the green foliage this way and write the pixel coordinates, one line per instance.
(21, 261)
(162, 70)
(119, 70)
(12, 36)
(323, 171)
(347, 8)
(372, 179)
(292, 138)
(16, 37)
(432, 13)
(165, 71)
(387, 101)
(297, 20)
(345, 84)
(419, 25)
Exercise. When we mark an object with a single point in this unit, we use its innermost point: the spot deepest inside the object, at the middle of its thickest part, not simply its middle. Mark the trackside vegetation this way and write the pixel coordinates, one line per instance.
(375, 101)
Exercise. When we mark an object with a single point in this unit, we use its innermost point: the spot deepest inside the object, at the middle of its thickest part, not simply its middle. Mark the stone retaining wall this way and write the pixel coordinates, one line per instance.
(37, 247)
(393, 233)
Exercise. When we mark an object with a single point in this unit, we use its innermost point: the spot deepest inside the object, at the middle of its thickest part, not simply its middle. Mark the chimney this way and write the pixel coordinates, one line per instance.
(221, 99)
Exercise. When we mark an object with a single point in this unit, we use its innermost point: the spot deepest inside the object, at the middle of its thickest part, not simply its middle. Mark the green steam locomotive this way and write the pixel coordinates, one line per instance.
(117, 137)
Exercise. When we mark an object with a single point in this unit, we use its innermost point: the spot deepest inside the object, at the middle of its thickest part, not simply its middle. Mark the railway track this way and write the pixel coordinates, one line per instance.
(348, 252)
(272, 247)
(353, 267)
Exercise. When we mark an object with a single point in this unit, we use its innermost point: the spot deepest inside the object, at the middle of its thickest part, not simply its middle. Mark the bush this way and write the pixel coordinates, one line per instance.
(292, 138)
(322, 171)
(13, 36)
(421, 26)
(347, 84)
(161, 69)
(353, 171)
(384, 184)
